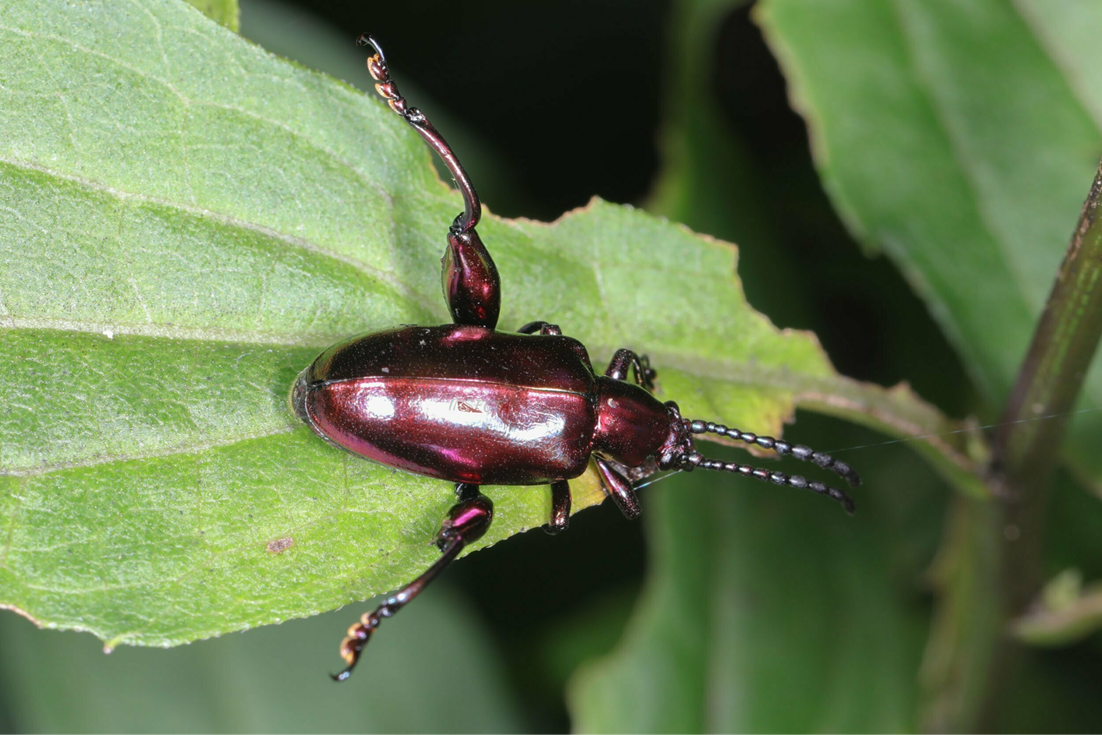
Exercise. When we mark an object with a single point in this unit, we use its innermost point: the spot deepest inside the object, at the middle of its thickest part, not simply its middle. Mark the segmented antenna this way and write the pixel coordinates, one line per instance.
(799, 451)
(696, 460)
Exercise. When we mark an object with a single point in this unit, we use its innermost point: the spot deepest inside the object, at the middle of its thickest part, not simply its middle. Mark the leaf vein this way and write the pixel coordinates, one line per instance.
(386, 277)
(183, 449)
(198, 334)
(11, 526)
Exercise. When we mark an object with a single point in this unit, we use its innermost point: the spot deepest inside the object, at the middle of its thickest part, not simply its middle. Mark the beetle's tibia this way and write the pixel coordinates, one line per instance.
(619, 488)
(640, 365)
(380, 72)
(466, 522)
(560, 507)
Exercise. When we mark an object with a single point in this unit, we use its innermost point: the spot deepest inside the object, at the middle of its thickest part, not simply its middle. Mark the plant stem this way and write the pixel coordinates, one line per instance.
(1025, 452)
(998, 548)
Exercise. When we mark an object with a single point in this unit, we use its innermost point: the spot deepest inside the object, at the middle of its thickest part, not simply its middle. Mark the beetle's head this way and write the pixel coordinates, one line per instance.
(636, 430)
(679, 443)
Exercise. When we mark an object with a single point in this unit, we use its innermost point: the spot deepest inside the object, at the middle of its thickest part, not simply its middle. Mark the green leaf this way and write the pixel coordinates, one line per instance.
(186, 222)
(958, 138)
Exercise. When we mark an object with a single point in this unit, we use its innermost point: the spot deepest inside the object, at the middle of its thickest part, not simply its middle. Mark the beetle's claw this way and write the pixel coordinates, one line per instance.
(365, 39)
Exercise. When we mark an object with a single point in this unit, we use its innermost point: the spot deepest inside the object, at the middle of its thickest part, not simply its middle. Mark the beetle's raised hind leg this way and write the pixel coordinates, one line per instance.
(471, 284)
(560, 507)
(465, 523)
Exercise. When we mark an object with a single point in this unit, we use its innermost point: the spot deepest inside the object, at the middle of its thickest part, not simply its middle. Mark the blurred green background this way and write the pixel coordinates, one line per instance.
(730, 607)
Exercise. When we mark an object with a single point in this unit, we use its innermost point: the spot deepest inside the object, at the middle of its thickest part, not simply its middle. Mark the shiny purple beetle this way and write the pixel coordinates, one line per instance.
(474, 406)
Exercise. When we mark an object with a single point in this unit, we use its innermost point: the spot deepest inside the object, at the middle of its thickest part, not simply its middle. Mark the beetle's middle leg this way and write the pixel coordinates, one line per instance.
(560, 507)
(640, 365)
(465, 523)
(544, 328)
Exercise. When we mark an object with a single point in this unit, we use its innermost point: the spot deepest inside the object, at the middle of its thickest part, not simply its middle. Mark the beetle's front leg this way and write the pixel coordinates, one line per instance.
(640, 364)
(619, 488)
(465, 523)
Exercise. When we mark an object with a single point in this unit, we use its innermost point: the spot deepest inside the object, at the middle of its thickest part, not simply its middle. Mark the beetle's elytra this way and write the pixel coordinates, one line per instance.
(466, 403)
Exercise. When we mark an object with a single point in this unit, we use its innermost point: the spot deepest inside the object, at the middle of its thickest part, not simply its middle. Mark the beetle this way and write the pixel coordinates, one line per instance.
(472, 405)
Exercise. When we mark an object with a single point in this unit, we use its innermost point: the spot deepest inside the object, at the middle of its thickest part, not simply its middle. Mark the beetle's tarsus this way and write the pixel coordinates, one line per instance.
(365, 39)
(471, 284)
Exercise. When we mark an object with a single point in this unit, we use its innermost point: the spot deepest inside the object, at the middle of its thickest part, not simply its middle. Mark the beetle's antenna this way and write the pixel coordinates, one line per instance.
(695, 460)
(386, 87)
(799, 451)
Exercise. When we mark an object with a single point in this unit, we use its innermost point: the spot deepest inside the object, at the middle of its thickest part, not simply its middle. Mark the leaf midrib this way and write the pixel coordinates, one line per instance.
(180, 450)
(756, 377)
